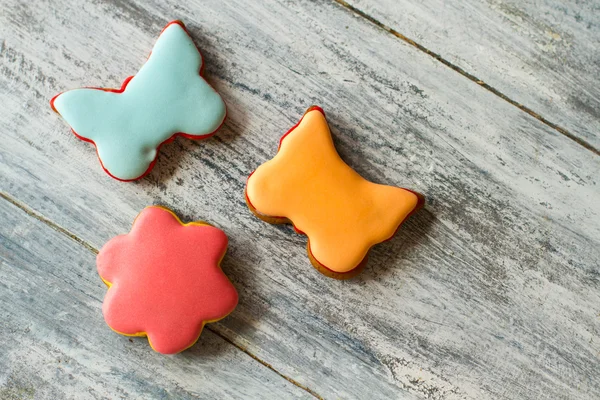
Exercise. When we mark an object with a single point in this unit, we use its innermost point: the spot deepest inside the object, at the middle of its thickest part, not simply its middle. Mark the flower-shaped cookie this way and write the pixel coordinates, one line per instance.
(164, 280)
(309, 185)
(166, 98)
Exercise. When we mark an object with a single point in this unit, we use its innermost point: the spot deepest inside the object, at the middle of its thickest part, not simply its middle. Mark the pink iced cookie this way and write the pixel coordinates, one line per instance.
(164, 280)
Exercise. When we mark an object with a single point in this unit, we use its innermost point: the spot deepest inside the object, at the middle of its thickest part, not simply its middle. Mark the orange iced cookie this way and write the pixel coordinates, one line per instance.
(343, 214)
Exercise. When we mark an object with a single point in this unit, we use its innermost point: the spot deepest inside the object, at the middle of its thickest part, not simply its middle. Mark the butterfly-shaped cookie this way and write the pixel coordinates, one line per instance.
(166, 98)
(309, 185)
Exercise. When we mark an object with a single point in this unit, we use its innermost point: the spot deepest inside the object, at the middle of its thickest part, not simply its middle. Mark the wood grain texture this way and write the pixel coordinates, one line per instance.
(491, 291)
(54, 343)
(542, 54)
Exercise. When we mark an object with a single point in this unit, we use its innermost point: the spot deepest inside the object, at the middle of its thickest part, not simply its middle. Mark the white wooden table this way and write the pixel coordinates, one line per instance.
(489, 108)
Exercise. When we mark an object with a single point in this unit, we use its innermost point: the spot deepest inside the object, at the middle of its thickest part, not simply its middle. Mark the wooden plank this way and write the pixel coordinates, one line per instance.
(490, 292)
(54, 342)
(542, 54)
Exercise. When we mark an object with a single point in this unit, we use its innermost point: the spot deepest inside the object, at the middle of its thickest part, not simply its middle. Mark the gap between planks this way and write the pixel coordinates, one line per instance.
(29, 211)
(467, 75)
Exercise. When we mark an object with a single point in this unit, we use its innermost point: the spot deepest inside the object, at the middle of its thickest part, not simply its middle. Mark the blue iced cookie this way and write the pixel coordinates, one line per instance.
(166, 98)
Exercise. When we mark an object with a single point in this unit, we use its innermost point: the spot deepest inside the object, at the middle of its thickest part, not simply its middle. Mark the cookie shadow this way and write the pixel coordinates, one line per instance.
(241, 266)
(384, 257)
(388, 256)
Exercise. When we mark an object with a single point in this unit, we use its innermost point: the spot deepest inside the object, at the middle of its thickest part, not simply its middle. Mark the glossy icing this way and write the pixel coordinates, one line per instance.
(342, 213)
(164, 280)
(168, 96)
